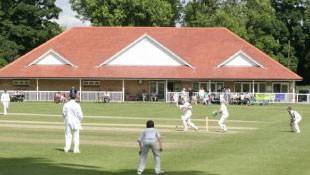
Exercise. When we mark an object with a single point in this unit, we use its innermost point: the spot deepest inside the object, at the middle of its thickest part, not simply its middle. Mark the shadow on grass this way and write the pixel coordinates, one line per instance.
(287, 131)
(41, 166)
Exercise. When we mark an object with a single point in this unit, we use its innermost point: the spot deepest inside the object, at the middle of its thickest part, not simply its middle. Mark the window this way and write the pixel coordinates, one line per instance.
(21, 82)
(177, 86)
(246, 87)
(153, 87)
(243, 87)
(157, 88)
(237, 87)
(204, 85)
(195, 86)
(256, 87)
(217, 86)
(262, 87)
(284, 87)
(276, 87)
(259, 87)
(174, 86)
(91, 83)
(280, 87)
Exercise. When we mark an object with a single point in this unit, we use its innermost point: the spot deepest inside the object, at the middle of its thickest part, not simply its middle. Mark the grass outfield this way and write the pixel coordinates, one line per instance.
(258, 141)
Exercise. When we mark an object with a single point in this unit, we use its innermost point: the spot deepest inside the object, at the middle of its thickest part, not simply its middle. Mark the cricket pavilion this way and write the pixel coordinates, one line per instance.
(125, 62)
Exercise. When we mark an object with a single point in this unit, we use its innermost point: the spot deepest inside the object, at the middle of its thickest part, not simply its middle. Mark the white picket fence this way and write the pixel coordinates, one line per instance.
(87, 96)
(117, 96)
(256, 97)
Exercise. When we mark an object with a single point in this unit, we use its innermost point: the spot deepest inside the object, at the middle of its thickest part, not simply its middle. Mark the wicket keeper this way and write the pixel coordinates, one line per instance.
(295, 118)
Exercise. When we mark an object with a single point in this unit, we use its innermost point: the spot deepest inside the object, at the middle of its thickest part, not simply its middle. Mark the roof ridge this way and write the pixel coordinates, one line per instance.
(265, 54)
(33, 50)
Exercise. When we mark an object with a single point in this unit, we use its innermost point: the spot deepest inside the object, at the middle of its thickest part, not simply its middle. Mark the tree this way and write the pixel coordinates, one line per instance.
(267, 32)
(278, 27)
(296, 17)
(213, 13)
(128, 12)
(25, 24)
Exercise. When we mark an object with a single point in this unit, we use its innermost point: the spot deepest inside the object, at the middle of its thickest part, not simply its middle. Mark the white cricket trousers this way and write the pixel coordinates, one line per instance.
(222, 122)
(295, 126)
(76, 139)
(153, 145)
(5, 107)
(187, 122)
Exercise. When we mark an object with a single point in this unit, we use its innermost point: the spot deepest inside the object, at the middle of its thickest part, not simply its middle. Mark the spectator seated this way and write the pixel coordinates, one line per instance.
(17, 98)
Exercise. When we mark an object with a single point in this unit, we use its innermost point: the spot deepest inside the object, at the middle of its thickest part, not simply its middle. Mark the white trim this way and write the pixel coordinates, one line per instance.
(294, 90)
(123, 90)
(37, 89)
(179, 59)
(166, 90)
(80, 84)
(209, 88)
(240, 52)
(53, 52)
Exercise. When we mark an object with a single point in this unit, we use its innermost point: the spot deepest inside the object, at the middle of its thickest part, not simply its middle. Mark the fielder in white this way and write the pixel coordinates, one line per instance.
(5, 100)
(295, 118)
(186, 109)
(176, 98)
(73, 116)
(150, 139)
(224, 115)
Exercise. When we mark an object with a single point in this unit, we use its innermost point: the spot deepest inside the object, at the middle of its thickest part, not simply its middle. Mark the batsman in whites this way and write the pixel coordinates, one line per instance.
(186, 109)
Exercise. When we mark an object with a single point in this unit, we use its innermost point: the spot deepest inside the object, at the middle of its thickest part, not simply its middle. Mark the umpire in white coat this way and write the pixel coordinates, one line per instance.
(5, 100)
(73, 116)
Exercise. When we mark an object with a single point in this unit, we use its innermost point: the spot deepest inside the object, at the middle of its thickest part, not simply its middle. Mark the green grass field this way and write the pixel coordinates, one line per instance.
(258, 141)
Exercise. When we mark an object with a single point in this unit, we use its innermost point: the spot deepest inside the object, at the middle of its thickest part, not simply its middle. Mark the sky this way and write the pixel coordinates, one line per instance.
(67, 16)
(68, 19)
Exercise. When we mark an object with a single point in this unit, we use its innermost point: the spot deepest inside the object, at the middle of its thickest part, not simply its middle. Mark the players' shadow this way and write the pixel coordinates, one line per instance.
(42, 166)
(59, 149)
(151, 172)
(287, 131)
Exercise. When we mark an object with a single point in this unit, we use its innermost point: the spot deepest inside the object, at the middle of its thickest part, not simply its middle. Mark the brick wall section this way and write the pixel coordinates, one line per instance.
(57, 85)
(110, 85)
(8, 84)
(186, 84)
(134, 88)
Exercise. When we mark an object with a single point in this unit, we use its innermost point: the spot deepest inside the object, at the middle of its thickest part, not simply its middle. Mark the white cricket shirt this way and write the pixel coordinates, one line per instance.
(149, 134)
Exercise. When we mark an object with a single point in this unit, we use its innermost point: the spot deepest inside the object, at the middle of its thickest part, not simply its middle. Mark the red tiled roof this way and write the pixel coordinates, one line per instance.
(203, 48)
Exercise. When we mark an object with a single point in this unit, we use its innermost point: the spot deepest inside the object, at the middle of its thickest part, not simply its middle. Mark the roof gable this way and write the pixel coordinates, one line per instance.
(240, 59)
(51, 57)
(145, 51)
